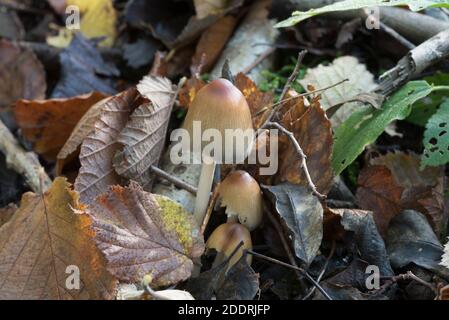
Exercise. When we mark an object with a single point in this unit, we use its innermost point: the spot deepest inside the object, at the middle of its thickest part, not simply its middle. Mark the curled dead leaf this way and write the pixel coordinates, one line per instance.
(47, 124)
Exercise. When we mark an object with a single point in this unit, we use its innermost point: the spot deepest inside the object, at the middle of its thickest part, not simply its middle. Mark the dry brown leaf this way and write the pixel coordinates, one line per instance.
(423, 189)
(141, 233)
(142, 139)
(84, 126)
(189, 90)
(312, 130)
(98, 148)
(256, 99)
(41, 240)
(205, 8)
(6, 213)
(22, 76)
(47, 124)
(212, 42)
(378, 191)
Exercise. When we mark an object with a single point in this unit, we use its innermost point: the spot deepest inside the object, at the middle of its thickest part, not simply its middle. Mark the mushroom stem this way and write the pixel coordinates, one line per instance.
(204, 188)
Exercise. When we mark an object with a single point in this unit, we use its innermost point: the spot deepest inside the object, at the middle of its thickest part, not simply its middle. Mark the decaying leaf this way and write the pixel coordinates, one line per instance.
(313, 132)
(360, 80)
(99, 147)
(379, 192)
(43, 240)
(145, 234)
(22, 76)
(257, 100)
(189, 90)
(302, 214)
(212, 42)
(395, 182)
(98, 20)
(205, 8)
(142, 139)
(240, 283)
(82, 129)
(6, 213)
(12, 184)
(436, 142)
(83, 70)
(411, 240)
(47, 124)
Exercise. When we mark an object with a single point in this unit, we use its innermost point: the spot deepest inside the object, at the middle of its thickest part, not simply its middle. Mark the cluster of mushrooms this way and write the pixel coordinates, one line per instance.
(220, 105)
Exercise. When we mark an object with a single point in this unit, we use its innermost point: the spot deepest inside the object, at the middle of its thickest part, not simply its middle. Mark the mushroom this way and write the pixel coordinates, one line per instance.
(240, 194)
(225, 239)
(219, 105)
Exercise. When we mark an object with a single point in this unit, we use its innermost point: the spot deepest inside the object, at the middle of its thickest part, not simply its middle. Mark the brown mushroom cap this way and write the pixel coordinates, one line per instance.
(241, 196)
(220, 105)
(226, 238)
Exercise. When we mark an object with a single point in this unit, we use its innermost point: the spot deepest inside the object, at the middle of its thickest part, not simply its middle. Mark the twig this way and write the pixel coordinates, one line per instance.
(293, 75)
(308, 276)
(280, 232)
(210, 208)
(23, 162)
(303, 157)
(410, 276)
(261, 58)
(280, 102)
(176, 181)
(323, 270)
(396, 35)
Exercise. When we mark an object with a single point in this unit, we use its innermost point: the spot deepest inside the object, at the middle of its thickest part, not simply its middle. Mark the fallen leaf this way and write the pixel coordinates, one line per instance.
(142, 233)
(398, 184)
(445, 257)
(82, 129)
(99, 147)
(6, 213)
(47, 124)
(204, 286)
(10, 25)
(257, 100)
(212, 42)
(435, 140)
(411, 239)
(360, 80)
(141, 52)
(12, 185)
(313, 132)
(206, 8)
(188, 91)
(302, 214)
(21, 74)
(42, 241)
(240, 283)
(98, 20)
(83, 70)
(378, 191)
(142, 139)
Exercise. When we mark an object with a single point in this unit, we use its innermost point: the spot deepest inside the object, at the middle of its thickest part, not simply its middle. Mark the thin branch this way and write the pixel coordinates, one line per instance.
(176, 181)
(302, 155)
(261, 58)
(308, 276)
(409, 276)
(293, 75)
(210, 208)
(23, 162)
(323, 270)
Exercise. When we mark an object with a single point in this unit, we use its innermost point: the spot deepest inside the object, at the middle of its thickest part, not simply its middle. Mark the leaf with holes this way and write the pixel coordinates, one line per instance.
(302, 214)
(143, 137)
(45, 238)
(436, 138)
(99, 147)
(363, 127)
(142, 233)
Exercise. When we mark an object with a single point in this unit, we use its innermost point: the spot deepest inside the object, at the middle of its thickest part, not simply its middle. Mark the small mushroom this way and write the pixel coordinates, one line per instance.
(221, 106)
(240, 194)
(225, 239)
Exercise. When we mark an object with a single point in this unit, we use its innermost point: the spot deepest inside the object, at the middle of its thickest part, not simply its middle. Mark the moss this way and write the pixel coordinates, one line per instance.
(177, 219)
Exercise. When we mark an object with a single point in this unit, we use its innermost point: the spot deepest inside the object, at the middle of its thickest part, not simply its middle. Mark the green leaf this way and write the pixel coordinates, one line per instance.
(436, 138)
(414, 5)
(364, 126)
(423, 109)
